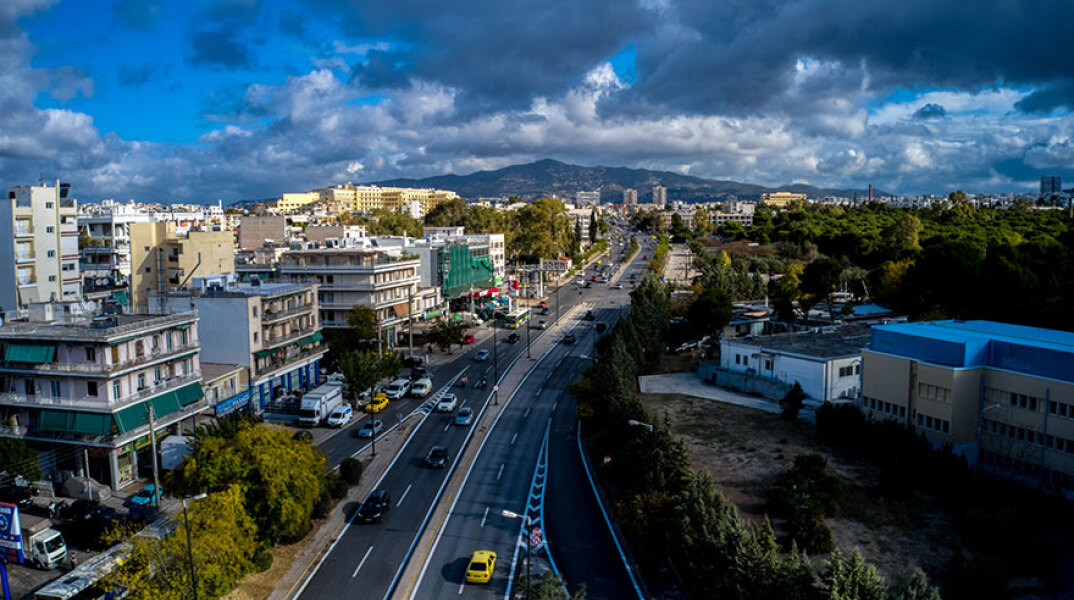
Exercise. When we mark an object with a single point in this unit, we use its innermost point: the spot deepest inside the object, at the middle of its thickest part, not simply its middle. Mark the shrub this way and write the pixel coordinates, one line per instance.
(793, 402)
(811, 533)
(351, 470)
(262, 561)
(322, 505)
(337, 488)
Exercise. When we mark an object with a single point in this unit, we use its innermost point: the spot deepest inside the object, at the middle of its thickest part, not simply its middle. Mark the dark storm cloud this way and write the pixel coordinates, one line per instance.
(1057, 94)
(930, 111)
(218, 48)
(140, 15)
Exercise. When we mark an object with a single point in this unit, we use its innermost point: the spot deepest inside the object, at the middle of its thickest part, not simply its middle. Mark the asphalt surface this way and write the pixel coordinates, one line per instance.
(367, 559)
(503, 478)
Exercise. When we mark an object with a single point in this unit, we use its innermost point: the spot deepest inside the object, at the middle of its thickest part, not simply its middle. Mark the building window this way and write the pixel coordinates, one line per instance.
(168, 343)
(255, 337)
(117, 390)
(52, 278)
(50, 229)
(255, 314)
(91, 354)
(157, 376)
(50, 253)
(54, 389)
(91, 388)
(141, 381)
(183, 337)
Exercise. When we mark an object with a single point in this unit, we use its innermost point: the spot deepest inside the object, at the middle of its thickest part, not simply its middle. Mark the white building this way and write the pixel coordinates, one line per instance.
(660, 196)
(826, 364)
(41, 264)
(584, 198)
(630, 197)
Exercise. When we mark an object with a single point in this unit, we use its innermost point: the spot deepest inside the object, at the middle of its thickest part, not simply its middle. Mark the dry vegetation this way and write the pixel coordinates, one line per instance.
(745, 450)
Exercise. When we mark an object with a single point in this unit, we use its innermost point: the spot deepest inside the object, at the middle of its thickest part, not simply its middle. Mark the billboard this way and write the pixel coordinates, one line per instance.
(10, 533)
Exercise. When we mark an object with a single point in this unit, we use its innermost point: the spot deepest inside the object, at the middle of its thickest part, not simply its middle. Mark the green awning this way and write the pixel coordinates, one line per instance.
(189, 394)
(29, 353)
(313, 338)
(132, 418)
(268, 352)
(183, 326)
(165, 404)
(69, 421)
(121, 298)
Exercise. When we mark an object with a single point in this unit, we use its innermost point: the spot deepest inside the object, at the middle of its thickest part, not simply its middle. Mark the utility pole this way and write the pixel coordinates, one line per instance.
(528, 328)
(153, 448)
(410, 315)
(495, 366)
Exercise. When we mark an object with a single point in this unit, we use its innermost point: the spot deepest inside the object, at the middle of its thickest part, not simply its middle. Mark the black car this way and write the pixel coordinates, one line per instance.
(437, 457)
(413, 361)
(569, 339)
(545, 311)
(513, 338)
(374, 507)
(420, 373)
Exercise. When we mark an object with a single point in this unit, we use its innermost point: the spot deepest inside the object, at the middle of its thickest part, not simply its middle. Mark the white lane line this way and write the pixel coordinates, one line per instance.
(362, 562)
(513, 438)
(500, 474)
(554, 405)
(526, 416)
(539, 392)
(448, 426)
(462, 585)
(484, 518)
(404, 495)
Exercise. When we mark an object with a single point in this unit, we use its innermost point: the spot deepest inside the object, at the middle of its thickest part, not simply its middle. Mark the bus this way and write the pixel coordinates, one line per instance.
(517, 318)
(85, 581)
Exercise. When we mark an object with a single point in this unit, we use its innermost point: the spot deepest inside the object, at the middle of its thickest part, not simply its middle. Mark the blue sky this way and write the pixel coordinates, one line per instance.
(199, 100)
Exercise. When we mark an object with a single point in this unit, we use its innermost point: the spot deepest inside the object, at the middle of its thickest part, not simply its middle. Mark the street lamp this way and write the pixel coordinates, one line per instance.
(980, 420)
(640, 424)
(190, 545)
(373, 428)
(495, 365)
(526, 519)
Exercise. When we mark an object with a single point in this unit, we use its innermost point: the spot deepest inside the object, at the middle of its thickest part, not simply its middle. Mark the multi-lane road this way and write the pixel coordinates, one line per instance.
(367, 561)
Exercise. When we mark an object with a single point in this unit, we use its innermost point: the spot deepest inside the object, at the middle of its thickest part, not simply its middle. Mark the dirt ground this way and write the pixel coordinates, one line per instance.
(745, 450)
(739, 246)
(258, 586)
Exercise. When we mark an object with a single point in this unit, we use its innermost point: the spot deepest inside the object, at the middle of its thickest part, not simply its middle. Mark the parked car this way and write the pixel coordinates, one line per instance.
(482, 355)
(376, 504)
(513, 338)
(397, 389)
(149, 494)
(371, 428)
(569, 339)
(541, 324)
(464, 416)
(482, 564)
(437, 457)
(542, 304)
(545, 311)
(421, 388)
(447, 403)
(618, 286)
(377, 404)
(468, 338)
(340, 416)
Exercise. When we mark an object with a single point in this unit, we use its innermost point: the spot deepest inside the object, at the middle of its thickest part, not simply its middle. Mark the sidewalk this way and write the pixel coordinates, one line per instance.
(689, 384)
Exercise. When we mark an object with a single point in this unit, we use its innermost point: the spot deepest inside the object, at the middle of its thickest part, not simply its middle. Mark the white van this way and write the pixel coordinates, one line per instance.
(421, 388)
(397, 389)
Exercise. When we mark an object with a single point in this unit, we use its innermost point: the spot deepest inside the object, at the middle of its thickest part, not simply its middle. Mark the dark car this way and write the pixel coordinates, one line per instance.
(437, 457)
(513, 338)
(374, 507)
(420, 373)
(413, 361)
(545, 311)
(569, 339)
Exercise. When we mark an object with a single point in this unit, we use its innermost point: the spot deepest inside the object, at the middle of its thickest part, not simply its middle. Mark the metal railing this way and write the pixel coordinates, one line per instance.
(102, 401)
(276, 316)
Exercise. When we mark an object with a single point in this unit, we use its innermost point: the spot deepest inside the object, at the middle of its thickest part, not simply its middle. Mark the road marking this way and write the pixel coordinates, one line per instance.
(463, 584)
(554, 405)
(513, 438)
(359, 567)
(498, 475)
(448, 426)
(527, 414)
(404, 495)
(484, 518)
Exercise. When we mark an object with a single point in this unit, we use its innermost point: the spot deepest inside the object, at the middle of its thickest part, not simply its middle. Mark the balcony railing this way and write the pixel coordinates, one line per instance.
(267, 316)
(25, 257)
(290, 359)
(101, 402)
(279, 339)
(103, 369)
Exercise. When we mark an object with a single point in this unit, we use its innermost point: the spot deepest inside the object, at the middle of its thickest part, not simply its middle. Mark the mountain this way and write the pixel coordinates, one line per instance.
(550, 177)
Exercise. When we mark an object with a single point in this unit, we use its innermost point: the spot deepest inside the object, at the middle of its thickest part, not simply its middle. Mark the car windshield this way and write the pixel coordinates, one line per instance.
(54, 544)
(438, 453)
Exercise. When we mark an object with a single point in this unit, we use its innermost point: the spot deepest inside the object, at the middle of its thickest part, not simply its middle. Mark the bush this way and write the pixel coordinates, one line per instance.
(322, 505)
(262, 561)
(337, 488)
(351, 470)
(793, 402)
(812, 533)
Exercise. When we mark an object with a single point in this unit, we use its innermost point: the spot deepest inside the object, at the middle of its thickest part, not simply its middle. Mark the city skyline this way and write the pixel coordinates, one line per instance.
(169, 101)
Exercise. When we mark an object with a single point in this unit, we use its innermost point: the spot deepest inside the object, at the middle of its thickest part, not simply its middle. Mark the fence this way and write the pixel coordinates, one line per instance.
(745, 382)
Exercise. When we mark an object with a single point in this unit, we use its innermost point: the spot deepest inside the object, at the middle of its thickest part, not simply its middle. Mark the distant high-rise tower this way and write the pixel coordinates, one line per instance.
(630, 197)
(660, 195)
(41, 265)
(1050, 185)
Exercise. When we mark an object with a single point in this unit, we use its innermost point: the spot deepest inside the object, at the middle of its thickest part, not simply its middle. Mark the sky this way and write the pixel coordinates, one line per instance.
(199, 100)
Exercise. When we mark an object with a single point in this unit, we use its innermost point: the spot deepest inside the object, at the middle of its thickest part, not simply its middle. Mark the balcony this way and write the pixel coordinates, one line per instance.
(25, 257)
(270, 317)
(270, 342)
(287, 358)
(99, 368)
(100, 402)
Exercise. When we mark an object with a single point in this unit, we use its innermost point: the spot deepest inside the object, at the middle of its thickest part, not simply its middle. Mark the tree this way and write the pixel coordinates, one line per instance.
(448, 214)
(702, 222)
(386, 222)
(363, 369)
(446, 332)
(793, 401)
(223, 542)
(851, 578)
(820, 278)
(902, 236)
(732, 229)
(918, 588)
(281, 478)
(550, 587)
(363, 320)
(544, 230)
(710, 312)
(18, 459)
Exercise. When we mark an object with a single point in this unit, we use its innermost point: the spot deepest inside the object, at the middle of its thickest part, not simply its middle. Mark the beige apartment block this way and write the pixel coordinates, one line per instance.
(781, 199)
(1001, 394)
(369, 198)
(292, 202)
(41, 263)
(162, 260)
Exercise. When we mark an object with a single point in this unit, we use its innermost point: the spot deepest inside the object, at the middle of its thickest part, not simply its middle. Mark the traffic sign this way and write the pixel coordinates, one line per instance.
(495, 388)
(535, 537)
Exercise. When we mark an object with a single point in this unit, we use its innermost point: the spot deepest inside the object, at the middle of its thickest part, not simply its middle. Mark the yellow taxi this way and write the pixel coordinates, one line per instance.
(481, 565)
(377, 404)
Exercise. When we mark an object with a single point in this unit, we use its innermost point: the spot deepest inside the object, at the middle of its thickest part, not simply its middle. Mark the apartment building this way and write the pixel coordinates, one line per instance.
(780, 199)
(368, 198)
(1001, 394)
(271, 329)
(587, 198)
(254, 231)
(93, 388)
(630, 197)
(382, 279)
(584, 220)
(41, 264)
(163, 258)
(660, 196)
(292, 202)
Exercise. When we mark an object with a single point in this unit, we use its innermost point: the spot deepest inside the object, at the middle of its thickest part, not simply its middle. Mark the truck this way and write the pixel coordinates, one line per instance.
(42, 545)
(319, 402)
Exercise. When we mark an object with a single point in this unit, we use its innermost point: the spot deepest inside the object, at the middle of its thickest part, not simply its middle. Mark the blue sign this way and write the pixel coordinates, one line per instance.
(10, 533)
(235, 402)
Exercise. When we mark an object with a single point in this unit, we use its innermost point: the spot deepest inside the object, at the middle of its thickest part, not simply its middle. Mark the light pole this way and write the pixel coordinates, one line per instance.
(640, 424)
(529, 546)
(528, 336)
(980, 420)
(495, 366)
(190, 545)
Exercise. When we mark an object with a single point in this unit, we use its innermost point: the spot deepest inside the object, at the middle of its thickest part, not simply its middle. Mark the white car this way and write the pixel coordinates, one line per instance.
(397, 389)
(340, 416)
(421, 388)
(447, 403)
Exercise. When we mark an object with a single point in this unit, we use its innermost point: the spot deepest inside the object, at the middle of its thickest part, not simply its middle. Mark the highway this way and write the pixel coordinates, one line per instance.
(366, 560)
(512, 473)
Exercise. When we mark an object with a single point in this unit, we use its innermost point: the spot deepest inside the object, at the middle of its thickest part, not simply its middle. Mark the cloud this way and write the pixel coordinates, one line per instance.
(218, 48)
(139, 15)
(930, 111)
(135, 75)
